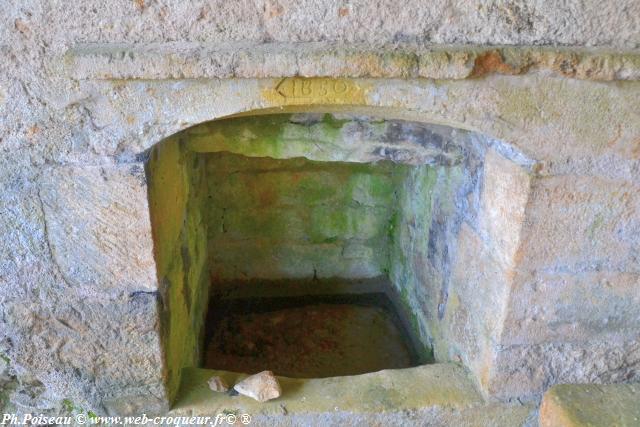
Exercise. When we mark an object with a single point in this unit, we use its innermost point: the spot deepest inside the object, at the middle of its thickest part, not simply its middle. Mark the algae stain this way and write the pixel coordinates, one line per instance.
(259, 136)
(332, 122)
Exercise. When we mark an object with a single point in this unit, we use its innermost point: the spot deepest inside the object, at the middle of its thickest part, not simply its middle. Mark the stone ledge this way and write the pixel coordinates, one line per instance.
(272, 60)
(438, 394)
(573, 405)
(398, 389)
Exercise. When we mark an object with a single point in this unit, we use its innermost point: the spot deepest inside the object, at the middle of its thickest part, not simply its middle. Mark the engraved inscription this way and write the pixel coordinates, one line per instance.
(314, 88)
(316, 91)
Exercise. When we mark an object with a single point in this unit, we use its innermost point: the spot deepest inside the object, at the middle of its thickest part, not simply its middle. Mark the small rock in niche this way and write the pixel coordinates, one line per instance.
(262, 386)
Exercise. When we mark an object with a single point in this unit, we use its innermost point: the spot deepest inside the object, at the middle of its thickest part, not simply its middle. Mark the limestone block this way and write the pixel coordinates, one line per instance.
(250, 223)
(571, 307)
(478, 296)
(577, 224)
(168, 197)
(260, 260)
(505, 192)
(403, 60)
(94, 351)
(526, 371)
(317, 224)
(578, 405)
(328, 138)
(439, 394)
(98, 226)
(339, 185)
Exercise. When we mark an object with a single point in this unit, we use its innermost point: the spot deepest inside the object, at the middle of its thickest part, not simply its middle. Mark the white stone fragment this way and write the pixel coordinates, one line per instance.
(217, 384)
(262, 386)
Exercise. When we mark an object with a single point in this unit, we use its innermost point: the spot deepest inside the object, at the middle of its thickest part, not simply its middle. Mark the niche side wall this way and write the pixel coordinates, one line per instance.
(423, 237)
(177, 190)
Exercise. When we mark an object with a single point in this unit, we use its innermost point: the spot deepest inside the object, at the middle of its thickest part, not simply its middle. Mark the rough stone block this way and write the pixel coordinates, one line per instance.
(308, 187)
(527, 370)
(571, 307)
(92, 350)
(577, 224)
(478, 296)
(505, 192)
(98, 226)
(592, 405)
(260, 260)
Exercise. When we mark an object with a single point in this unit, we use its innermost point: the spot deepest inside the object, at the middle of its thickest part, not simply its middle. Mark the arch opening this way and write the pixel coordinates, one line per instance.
(328, 222)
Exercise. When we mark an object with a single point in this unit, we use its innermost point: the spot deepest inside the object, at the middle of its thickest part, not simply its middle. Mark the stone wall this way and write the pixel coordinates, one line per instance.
(580, 229)
(293, 219)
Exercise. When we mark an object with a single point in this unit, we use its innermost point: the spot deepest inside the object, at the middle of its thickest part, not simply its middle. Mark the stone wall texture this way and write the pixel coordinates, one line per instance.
(80, 326)
(294, 219)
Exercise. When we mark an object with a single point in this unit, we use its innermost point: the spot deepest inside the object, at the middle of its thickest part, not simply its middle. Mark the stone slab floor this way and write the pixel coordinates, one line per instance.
(315, 340)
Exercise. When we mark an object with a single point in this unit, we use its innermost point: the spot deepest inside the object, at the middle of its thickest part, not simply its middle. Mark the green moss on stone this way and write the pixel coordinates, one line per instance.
(67, 405)
(254, 136)
(409, 236)
(297, 217)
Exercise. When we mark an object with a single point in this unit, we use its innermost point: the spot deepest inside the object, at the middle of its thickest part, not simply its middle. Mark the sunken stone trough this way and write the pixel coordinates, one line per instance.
(415, 214)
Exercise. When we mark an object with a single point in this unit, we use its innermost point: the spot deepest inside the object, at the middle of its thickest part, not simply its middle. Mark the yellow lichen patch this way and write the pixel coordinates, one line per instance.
(315, 91)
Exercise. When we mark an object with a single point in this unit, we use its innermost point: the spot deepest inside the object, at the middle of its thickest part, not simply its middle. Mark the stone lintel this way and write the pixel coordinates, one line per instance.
(180, 60)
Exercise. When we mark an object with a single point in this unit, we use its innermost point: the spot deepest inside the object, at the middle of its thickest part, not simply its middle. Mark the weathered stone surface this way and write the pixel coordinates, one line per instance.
(193, 60)
(330, 137)
(610, 359)
(262, 386)
(572, 127)
(423, 233)
(349, 260)
(98, 227)
(111, 345)
(134, 405)
(581, 224)
(482, 275)
(438, 394)
(534, 120)
(478, 292)
(571, 307)
(218, 384)
(296, 218)
(573, 405)
(180, 242)
(440, 385)
(504, 197)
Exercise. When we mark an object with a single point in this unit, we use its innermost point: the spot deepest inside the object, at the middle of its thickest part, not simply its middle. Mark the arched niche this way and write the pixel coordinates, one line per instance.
(317, 193)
